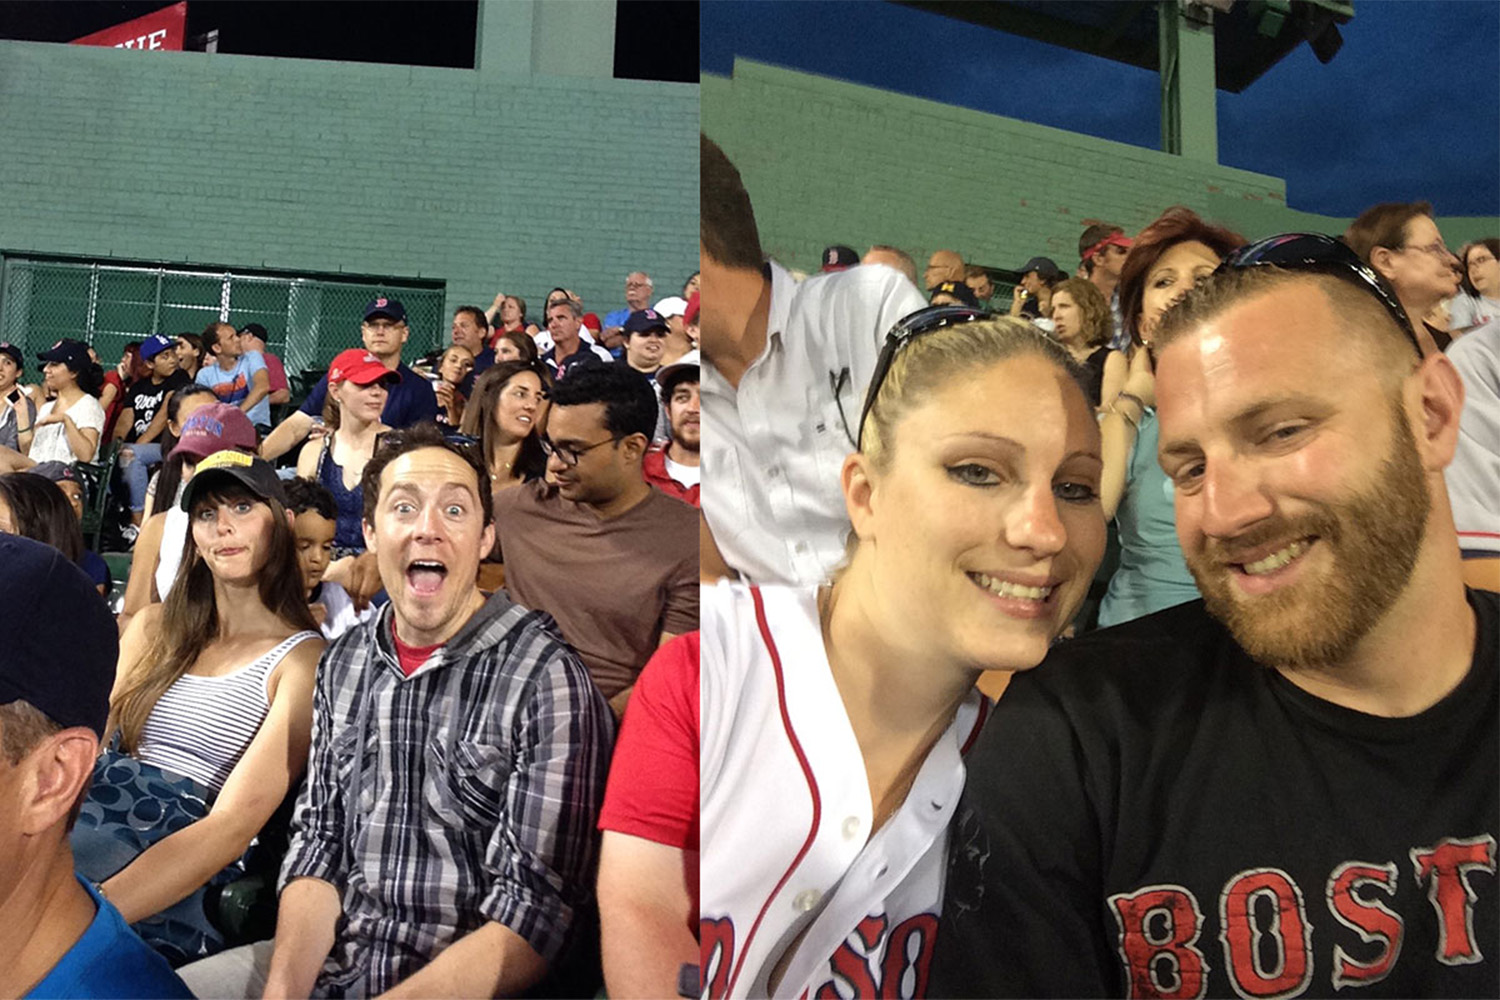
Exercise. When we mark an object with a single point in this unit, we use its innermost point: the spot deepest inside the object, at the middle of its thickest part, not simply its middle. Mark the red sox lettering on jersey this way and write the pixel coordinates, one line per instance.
(792, 874)
(1266, 925)
(875, 960)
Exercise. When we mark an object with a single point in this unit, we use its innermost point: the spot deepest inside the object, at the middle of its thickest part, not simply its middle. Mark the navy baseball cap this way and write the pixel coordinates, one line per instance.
(957, 290)
(1044, 266)
(13, 352)
(389, 308)
(644, 319)
(254, 329)
(154, 345)
(73, 353)
(67, 677)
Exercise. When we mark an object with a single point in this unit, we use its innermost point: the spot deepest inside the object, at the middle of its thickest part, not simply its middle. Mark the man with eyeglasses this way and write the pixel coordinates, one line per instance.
(785, 366)
(384, 332)
(638, 288)
(613, 560)
(1292, 787)
(1402, 242)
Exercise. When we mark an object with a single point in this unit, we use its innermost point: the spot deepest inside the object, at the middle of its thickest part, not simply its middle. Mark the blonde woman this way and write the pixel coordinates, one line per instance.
(835, 718)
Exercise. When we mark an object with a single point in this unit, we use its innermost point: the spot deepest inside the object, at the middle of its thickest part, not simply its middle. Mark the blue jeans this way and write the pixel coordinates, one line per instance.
(136, 471)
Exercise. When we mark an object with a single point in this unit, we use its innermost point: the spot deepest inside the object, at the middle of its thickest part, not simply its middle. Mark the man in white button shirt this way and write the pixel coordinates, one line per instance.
(785, 368)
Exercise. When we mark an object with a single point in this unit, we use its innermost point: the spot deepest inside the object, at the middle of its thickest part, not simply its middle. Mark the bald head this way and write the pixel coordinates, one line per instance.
(944, 265)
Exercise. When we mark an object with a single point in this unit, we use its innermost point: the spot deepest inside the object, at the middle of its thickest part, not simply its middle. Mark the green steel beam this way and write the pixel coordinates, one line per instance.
(1189, 110)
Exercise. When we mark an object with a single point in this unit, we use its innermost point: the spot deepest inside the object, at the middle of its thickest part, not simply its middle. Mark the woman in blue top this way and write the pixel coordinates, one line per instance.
(1167, 258)
(357, 386)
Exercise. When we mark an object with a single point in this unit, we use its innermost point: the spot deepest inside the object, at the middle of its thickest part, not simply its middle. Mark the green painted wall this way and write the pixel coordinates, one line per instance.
(486, 181)
(833, 162)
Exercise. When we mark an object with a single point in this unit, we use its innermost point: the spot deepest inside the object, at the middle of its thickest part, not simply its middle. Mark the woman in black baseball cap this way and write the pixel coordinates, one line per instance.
(213, 709)
(68, 426)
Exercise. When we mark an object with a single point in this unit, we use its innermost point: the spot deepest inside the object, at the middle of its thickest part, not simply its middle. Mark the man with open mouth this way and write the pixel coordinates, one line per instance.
(444, 838)
(1293, 786)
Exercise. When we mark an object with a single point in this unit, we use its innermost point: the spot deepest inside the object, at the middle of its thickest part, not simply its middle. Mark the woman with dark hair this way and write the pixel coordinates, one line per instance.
(1082, 324)
(168, 480)
(30, 505)
(189, 353)
(1166, 260)
(508, 413)
(117, 381)
(212, 707)
(449, 375)
(68, 426)
(1478, 299)
(207, 426)
(514, 346)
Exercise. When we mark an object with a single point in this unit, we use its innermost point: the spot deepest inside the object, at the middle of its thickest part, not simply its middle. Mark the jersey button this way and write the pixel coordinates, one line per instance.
(806, 900)
(851, 827)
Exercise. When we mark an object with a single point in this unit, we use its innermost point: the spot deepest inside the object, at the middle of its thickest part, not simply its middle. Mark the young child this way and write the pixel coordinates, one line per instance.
(316, 513)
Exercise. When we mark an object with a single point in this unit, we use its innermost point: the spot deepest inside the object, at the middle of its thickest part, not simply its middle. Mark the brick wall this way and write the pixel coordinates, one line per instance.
(833, 162)
(485, 181)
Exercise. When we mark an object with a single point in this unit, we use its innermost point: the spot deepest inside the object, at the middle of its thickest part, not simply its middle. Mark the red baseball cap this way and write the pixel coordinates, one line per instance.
(359, 366)
(691, 316)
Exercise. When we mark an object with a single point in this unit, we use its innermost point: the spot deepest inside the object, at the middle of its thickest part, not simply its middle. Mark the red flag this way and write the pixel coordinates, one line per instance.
(163, 29)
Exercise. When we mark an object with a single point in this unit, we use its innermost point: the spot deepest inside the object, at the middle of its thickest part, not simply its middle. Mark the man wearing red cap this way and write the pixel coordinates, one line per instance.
(1102, 248)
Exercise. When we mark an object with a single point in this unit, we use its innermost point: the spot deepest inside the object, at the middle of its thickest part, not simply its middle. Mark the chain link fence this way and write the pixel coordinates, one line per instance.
(308, 320)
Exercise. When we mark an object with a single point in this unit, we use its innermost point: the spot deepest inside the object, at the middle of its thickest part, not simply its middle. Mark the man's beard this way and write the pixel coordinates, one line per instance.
(683, 440)
(1373, 537)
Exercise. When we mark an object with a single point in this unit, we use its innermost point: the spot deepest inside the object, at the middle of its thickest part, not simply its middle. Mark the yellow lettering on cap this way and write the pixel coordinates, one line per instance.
(223, 459)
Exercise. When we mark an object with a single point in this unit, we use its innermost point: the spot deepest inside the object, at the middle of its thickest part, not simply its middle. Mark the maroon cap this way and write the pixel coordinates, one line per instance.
(215, 427)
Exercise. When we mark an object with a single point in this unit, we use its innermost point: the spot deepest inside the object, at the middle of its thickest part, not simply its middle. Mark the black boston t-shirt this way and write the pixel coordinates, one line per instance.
(1152, 813)
(144, 398)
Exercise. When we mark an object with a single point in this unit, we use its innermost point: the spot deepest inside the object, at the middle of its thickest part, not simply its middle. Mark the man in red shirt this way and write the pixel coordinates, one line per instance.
(673, 467)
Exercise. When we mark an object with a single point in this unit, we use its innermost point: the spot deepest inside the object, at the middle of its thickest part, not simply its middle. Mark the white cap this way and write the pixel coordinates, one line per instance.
(672, 305)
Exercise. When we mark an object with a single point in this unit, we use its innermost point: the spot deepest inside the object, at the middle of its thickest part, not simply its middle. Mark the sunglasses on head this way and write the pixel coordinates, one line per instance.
(1314, 253)
(923, 321)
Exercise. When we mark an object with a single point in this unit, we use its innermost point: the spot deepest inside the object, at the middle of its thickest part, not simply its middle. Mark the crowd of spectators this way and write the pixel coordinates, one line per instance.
(468, 559)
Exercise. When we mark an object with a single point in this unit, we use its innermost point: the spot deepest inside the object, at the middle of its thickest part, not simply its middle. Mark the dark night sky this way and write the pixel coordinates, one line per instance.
(1409, 109)
(429, 33)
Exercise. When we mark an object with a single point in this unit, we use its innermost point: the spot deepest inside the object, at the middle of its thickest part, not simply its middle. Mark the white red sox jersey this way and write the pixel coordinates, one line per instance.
(788, 857)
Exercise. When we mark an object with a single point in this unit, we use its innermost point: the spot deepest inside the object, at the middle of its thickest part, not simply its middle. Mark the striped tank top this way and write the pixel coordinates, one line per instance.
(201, 726)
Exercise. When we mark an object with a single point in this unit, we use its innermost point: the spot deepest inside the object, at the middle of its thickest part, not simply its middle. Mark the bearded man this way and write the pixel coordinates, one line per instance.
(1293, 786)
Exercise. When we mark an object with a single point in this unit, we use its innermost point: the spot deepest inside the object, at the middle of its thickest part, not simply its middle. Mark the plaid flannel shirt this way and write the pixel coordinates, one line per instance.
(465, 793)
